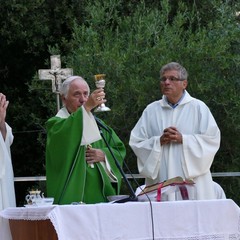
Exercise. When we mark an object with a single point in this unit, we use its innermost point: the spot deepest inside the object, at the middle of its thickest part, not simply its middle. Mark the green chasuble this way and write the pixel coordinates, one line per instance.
(69, 178)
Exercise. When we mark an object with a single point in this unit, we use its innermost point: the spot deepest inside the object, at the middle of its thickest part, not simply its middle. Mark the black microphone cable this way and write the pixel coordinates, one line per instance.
(149, 200)
(134, 179)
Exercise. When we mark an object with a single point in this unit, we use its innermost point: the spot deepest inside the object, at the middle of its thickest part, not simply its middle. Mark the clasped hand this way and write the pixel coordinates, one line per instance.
(170, 134)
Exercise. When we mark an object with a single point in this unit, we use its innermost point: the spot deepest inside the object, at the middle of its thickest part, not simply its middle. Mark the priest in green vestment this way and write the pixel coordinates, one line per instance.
(79, 165)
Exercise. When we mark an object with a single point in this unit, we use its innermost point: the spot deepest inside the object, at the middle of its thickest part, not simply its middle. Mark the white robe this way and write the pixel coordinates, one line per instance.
(191, 159)
(7, 191)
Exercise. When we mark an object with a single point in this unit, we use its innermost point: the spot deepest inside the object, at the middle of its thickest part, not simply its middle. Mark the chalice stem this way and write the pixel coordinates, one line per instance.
(100, 83)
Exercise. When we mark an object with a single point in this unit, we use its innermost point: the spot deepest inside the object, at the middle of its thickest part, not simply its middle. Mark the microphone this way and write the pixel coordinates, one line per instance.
(101, 125)
(132, 196)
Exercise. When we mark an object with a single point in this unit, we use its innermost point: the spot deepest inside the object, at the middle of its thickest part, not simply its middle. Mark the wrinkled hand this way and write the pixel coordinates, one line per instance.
(3, 108)
(96, 98)
(171, 134)
(94, 155)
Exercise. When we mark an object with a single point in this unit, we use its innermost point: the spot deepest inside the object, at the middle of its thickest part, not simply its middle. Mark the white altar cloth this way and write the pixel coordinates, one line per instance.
(181, 220)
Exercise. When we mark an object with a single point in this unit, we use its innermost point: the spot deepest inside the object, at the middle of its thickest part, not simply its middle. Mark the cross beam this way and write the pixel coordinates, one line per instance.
(56, 74)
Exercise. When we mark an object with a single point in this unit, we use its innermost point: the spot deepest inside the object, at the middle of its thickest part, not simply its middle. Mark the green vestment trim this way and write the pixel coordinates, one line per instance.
(68, 182)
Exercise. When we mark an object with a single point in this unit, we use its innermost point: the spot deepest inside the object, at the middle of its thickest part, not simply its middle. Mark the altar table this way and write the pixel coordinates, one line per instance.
(181, 220)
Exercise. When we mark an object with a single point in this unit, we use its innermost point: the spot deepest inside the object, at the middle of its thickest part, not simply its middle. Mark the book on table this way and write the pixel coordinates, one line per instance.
(182, 188)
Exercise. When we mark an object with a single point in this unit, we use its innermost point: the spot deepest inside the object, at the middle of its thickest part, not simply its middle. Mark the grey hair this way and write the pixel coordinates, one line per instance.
(183, 74)
(65, 85)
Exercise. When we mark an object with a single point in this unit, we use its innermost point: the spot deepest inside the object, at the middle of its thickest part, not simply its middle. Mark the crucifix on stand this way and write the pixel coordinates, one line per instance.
(56, 74)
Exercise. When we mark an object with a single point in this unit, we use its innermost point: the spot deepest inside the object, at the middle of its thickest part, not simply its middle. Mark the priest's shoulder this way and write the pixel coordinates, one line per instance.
(53, 120)
(152, 105)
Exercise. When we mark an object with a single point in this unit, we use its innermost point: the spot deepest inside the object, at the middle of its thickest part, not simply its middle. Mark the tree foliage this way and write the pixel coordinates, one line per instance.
(131, 49)
(129, 41)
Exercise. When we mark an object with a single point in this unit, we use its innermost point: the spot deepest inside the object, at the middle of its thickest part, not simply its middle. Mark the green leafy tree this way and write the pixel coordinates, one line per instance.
(27, 29)
(129, 41)
(131, 48)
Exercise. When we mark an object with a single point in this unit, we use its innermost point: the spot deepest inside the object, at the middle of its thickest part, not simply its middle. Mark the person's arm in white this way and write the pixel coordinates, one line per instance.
(199, 149)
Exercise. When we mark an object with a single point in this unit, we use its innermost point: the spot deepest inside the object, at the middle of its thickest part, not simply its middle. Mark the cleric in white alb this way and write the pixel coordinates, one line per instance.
(176, 136)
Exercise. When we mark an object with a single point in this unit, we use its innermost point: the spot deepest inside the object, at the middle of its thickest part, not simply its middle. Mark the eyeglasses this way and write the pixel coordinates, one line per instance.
(171, 78)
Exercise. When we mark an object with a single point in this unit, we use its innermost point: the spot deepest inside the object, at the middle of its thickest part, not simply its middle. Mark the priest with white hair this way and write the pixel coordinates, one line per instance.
(79, 164)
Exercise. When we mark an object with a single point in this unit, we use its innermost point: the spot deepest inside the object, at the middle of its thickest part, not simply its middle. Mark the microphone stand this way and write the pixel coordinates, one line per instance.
(132, 196)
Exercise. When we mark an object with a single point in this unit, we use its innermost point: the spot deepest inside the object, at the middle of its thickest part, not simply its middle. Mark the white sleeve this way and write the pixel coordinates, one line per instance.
(108, 170)
(147, 149)
(200, 149)
(5, 154)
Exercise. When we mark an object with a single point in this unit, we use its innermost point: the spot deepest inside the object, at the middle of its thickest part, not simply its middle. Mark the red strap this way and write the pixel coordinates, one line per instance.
(184, 192)
(159, 192)
(182, 188)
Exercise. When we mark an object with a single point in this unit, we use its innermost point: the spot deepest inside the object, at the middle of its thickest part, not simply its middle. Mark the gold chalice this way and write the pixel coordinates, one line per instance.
(100, 83)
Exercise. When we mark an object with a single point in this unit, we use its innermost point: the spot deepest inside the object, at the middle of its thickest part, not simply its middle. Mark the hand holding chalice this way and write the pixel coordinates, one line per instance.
(100, 83)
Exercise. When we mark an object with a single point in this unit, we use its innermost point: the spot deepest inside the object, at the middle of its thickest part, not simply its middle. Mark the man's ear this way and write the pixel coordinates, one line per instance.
(185, 83)
(63, 98)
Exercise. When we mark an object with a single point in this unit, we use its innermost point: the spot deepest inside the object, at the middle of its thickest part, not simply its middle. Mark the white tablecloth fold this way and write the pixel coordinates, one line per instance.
(181, 220)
